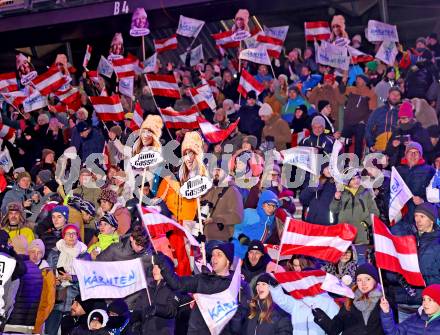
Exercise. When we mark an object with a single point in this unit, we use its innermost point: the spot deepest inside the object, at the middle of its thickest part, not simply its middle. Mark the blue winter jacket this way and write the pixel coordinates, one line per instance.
(310, 82)
(383, 119)
(416, 324)
(318, 200)
(256, 224)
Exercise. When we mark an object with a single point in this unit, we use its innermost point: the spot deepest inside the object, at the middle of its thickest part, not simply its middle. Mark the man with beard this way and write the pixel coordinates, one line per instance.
(383, 121)
(224, 208)
(78, 314)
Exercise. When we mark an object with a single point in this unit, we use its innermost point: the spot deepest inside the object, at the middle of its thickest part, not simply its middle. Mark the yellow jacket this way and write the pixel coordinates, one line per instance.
(47, 300)
(25, 231)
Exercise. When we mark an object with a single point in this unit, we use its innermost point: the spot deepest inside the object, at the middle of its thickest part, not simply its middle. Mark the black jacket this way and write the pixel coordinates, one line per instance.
(205, 283)
(350, 322)
(28, 295)
(47, 232)
(165, 304)
(249, 272)
(280, 324)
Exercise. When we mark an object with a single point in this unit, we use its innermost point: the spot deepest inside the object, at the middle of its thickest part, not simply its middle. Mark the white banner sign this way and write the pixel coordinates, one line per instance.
(34, 101)
(150, 64)
(305, 158)
(189, 27)
(399, 195)
(332, 55)
(146, 159)
(387, 52)
(258, 56)
(7, 266)
(218, 309)
(276, 32)
(109, 280)
(196, 187)
(105, 67)
(196, 55)
(334, 285)
(5, 159)
(379, 31)
(126, 86)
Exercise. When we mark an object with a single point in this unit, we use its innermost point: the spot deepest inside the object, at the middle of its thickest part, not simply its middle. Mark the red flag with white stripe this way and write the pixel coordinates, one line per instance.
(49, 81)
(125, 65)
(249, 83)
(70, 97)
(93, 76)
(318, 30)
(15, 99)
(6, 132)
(298, 137)
(158, 224)
(273, 251)
(87, 56)
(163, 85)
(273, 45)
(138, 117)
(203, 97)
(186, 119)
(397, 253)
(224, 40)
(358, 56)
(166, 44)
(108, 108)
(212, 133)
(8, 82)
(301, 284)
(324, 242)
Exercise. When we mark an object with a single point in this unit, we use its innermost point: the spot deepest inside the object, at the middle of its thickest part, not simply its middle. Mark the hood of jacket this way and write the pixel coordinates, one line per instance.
(266, 196)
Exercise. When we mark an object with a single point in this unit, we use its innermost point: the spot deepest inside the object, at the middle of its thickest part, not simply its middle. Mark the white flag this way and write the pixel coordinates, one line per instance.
(189, 27)
(255, 55)
(7, 266)
(34, 101)
(387, 52)
(196, 55)
(379, 31)
(305, 158)
(399, 195)
(332, 55)
(109, 280)
(218, 309)
(5, 159)
(126, 84)
(105, 67)
(276, 32)
(150, 63)
(334, 285)
(333, 166)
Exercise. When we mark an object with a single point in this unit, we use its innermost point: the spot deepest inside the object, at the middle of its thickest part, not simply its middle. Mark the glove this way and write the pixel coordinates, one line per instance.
(318, 314)
(220, 226)
(149, 311)
(201, 238)
(243, 239)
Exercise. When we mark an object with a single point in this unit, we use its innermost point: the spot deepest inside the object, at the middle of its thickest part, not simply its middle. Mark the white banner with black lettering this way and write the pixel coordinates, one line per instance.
(109, 280)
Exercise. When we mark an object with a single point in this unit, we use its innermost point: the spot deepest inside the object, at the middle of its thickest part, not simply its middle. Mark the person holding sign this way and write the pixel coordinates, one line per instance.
(149, 136)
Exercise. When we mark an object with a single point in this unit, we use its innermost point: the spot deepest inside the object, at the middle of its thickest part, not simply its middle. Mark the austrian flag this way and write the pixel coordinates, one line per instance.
(224, 40)
(214, 134)
(318, 30)
(15, 99)
(87, 56)
(8, 82)
(108, 108)
(249, 83)
(184, 120)
(6, 132)
(301, 284)
(164, 85)
(138, 117)
(166, 44)
(273, 45)
(49, 81)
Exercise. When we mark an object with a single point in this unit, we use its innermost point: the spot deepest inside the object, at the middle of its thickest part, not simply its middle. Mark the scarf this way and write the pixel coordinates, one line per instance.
(366, 306)
(68, 254)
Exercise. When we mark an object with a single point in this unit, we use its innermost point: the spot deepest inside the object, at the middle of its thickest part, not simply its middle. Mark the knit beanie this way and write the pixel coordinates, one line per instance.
(71, 227)
(406, 110)
(256, 245)
(119, 307)
(45, 176)
(265, 110)
(266, 278)
(429, 210)
(414, 145)
(63, 210)
(368, 269)
(37, 244)
(227, 249)
(108, 195)
(322, 104)
(318, 120)
(433, 291)
(110, 219)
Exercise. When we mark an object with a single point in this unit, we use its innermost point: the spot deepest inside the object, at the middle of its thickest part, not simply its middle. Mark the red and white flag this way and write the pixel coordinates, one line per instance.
(224, 40)
(301, 284)
(15, 99)
(298, 137)
(126, 83)
(49, 81)
(212, 133)
(108, 108)
(138, 117)
(318, 30)
(249, 83)
(93, 76)
(163, 85)
(166, 44)
(125, 66)
(70, 96)
(358, 56)
(273, 45)
(203, 97)
(6, 132)
(8, 82)
(324, 242)
(273, 251)
(158, 224)
(397, 253)
(87, 56)
(185, 120)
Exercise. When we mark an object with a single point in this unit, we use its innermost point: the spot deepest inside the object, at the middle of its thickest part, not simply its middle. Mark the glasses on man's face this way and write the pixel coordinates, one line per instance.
(71, 234)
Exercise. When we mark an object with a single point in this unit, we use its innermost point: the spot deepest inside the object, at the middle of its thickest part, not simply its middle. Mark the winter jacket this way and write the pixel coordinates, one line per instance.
(47, 232)
(382, 89)
(28, 295)
(301, 314)
(332, 95)
(356, 209)
(94, 143)
(104, 241)
(16, 194)
(165, 303)
(340, 269)
(227, 212)
(416, 324)
(256, 224)
(381, 123)
(416, 133)
(206, 283)
(88, 193)
(360, 102)
(279, 324)
(47, 299)
(264, 264)
(279, 130)
(318, 200)
(24, 231)
(417, 82)
(310, 82)
(288, 110)
(323, 143)
(250, 122)
(351, 322)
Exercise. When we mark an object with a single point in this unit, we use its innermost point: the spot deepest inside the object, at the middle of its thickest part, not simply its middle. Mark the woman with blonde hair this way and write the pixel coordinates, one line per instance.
(149, 134)
(265, 316)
